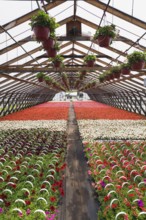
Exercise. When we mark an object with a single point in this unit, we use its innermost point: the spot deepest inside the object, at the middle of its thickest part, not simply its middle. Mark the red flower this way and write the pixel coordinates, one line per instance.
(41, 112)
(3, 196)
(96, 110)
(131, 195)
(53, 199)
(61, 191)
(26, 193)
(114, 206)
(53, 189)
(27, 202)
(52, 208)
(41, 174)
(106, 198)
(43, 186)
(7, 204)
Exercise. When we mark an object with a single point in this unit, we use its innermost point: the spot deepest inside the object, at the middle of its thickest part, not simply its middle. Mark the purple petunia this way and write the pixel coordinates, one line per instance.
(103, 184)
(140, 203)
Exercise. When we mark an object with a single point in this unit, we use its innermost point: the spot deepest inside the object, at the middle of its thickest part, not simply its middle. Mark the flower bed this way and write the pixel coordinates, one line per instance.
(52, 125)
(118, 170)
(46, 111)
(31, 173)
(95, 110)
(112, 129)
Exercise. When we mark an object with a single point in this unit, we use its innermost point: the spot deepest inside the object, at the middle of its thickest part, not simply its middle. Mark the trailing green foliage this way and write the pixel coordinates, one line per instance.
(44, 20)
(108, 30)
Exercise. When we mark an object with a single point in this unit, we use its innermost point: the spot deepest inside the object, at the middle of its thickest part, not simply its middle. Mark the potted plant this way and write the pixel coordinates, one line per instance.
(65, 80)
(57, 60)
(40, 76)
(52, 52)
(105, 35)
(125, 68)
(137, 60)
(101, 78)
(48, 80)
(90, 60)
(50, 42)
(42, 24)
(108, 75)
(116, 71)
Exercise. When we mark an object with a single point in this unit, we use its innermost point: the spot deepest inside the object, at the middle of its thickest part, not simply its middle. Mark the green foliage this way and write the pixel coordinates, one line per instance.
(48, 79)
(57, 58)
(64, 76)
(108, 30)
(40, 75)
(44, 20)
(52, 35)
(115, 69)
(89, 57)
(125, 65)
(56, 46)
(101, 78)
(136, 56)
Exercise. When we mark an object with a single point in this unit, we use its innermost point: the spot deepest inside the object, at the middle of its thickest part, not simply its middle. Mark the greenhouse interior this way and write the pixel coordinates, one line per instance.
(72, 110)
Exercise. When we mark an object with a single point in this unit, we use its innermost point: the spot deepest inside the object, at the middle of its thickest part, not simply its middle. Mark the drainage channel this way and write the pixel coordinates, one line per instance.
(78, 202)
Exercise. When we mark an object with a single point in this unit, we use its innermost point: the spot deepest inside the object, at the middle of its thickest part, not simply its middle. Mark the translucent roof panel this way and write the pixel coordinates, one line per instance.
(18, 46)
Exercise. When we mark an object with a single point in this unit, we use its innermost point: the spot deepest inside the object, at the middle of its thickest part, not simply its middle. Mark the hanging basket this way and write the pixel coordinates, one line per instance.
(125, 71)
(57, 64)
(51, 52)
(41, 33)
(111, 76)
(90, 63)
(117, 75)
(104, 41)
(48, 44)
(138, 65)
(107, 78)
(40, 79)
(84, 72)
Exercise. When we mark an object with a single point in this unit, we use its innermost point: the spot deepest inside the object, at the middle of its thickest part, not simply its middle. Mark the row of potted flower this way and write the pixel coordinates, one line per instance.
(32, 173)
(52, 125)
(47, 111)
(112, 129)
(95, 110)
(118, 172)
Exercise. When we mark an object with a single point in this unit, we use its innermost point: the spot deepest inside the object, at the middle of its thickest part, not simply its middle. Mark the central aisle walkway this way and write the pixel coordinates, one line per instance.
(78, 203)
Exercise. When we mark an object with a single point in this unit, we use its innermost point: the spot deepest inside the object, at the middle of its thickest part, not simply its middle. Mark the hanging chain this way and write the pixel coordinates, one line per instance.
(132, 7)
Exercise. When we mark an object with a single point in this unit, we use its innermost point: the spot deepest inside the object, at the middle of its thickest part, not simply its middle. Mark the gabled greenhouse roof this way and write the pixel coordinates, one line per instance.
(22, 57)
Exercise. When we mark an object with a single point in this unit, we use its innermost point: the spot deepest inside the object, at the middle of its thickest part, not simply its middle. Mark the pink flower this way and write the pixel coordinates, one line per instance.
(20, 214)
(28, 212)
